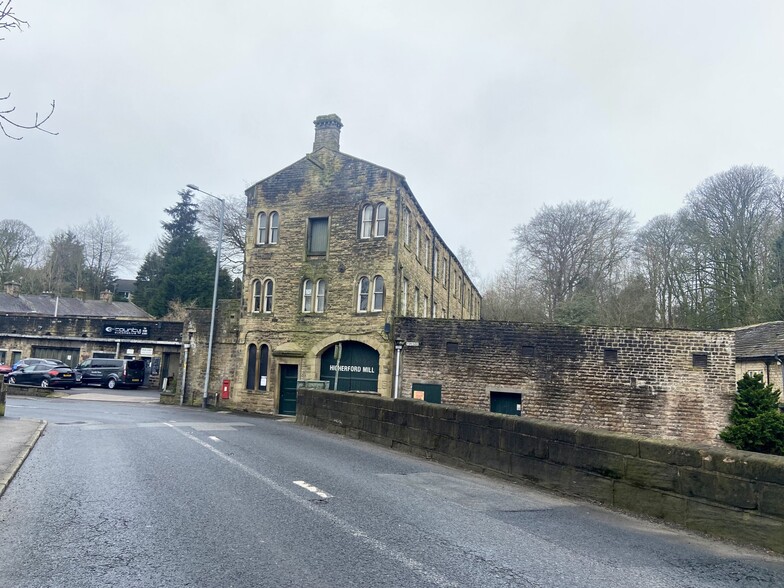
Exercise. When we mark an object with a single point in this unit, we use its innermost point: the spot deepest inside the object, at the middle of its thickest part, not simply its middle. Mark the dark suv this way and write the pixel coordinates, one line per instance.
(111, 373)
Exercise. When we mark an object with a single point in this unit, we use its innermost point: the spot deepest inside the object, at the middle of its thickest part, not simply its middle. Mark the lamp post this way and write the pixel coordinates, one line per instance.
(214, 292)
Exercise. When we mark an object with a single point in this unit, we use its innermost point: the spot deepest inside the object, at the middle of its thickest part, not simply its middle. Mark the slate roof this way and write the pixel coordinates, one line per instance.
(763, 340)
(44, 305)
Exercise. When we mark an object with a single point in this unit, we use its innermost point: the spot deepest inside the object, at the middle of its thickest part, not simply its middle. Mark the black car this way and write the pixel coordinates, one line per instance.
(23, 363)
(44, 375)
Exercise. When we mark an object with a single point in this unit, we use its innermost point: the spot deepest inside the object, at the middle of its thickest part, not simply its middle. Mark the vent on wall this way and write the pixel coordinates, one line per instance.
(527, 350)
(699, 360)
(452, 347)
(610, 356)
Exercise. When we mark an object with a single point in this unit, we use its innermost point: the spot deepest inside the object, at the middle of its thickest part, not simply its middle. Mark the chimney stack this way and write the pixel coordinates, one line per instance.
(107, 296)
(12, 289)
(327, 132)
(80, 294)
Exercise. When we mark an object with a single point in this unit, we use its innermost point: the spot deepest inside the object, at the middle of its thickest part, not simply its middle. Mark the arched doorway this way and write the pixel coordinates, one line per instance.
(352, 365)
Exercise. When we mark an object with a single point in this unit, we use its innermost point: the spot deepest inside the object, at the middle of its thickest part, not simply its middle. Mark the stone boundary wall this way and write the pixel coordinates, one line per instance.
(723, 492)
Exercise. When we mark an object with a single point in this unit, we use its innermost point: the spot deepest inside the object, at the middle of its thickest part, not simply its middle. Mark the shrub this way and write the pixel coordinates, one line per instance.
(756, 424)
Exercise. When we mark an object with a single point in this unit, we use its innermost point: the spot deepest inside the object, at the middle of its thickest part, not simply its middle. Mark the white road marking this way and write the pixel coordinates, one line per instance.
(378, 546)
(214, 438)
(316, 491)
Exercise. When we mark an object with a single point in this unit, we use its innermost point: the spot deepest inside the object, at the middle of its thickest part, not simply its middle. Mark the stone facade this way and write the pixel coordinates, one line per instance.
(672, 384)
(337, 248)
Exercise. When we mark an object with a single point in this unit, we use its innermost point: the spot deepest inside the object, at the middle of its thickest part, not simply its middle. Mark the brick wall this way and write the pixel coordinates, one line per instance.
(723, 492)
(646, 384)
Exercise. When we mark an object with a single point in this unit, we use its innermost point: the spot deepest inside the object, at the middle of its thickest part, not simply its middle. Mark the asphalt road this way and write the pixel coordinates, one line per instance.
(121, 494)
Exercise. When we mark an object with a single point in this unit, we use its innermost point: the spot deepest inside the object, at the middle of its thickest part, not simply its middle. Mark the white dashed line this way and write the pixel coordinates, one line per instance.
(316, 491)
(214, 438)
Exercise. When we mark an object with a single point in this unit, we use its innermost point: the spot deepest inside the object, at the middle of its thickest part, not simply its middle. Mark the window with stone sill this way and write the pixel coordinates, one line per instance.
(318, 236)
(267, 227)
(373, 221)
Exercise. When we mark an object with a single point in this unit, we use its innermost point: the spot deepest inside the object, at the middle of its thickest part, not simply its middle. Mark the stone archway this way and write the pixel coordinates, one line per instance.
(355, 367)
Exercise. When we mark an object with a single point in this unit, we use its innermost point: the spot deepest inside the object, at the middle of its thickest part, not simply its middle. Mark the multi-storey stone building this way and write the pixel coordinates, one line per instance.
(337, 248)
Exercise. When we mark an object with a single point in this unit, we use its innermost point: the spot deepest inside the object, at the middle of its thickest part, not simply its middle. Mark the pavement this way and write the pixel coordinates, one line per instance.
(17, 438)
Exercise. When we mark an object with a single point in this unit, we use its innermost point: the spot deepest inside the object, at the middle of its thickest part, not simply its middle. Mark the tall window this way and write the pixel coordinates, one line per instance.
(381, 220)
(255, 303)
(318, 236)
(404, 298)
(267, 228)
(366, 229)
(268, 296)
(407, 227)
(321, 295)
(261, 227)
(427, 253)
(378, 294)
(273, 228)
(314, 298)
(418, 240)
(307, 296)
(250, 380)
(362, 294)
(426, 307)
(416, 302)
(263, 362)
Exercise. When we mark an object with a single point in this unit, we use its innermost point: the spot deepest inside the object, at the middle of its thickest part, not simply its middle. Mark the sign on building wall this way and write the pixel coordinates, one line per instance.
(126, 330)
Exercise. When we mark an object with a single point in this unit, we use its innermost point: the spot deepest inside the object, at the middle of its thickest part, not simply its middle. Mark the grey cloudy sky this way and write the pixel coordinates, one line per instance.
(490, 110)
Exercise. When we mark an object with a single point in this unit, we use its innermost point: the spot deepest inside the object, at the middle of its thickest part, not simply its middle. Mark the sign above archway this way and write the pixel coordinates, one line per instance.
(350, 365)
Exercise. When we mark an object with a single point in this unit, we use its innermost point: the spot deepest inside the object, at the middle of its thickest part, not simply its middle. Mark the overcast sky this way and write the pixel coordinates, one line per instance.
(490, 110)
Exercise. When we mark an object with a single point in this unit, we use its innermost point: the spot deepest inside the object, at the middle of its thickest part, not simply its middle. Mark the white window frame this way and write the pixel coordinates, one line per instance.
(404, 298)
(307, 295)
(366, 222)
(363, 294)
(261, 228)
(255, 298)
(379, 293)
(269, 290)
(381, 220)
(274, 223)
(321, 296)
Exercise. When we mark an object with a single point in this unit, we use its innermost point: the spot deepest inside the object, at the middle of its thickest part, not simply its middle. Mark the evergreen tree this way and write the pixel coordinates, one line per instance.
(182, 267)
(756, 423)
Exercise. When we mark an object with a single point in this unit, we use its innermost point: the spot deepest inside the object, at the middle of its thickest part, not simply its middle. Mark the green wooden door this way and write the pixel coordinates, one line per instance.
(355, 367)
(288, 390)
(506, 402)
(426, 392)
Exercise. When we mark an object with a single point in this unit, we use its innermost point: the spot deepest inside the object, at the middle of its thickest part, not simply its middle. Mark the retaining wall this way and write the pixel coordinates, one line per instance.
(723, 492)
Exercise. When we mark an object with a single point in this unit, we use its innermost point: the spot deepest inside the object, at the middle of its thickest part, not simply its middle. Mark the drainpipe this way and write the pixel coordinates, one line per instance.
(396, 391)
(184, 373)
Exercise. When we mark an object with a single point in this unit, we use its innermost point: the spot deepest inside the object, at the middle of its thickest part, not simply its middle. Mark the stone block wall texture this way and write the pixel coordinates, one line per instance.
(723, 492)
(640, 381)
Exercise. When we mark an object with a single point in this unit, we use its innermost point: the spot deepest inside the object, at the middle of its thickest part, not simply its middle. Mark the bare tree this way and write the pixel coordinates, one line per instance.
(106, 251)
(509, 295)
(730, 223)
(10, 22)
(575, 251)
(466, 258)
(235, 228)
(19, 247)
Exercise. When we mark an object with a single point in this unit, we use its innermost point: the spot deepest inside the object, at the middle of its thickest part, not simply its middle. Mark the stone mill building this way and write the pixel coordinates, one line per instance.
(337, 248)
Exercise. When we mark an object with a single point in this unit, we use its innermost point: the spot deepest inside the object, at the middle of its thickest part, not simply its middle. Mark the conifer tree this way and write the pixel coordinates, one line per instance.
(756, 423)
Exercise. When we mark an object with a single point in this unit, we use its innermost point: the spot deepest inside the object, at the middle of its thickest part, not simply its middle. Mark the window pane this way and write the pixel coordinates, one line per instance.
(256, 303)
(263, 360)
(364, 287)
(321, 295)
(250, 381)
(378, 293)
(262, 228)
(318, 236)
(367, 221)
(268, 296)
(307, 296)
(381, 220)
(273, 230)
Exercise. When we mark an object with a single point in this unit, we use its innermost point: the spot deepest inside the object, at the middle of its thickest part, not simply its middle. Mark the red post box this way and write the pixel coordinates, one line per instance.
(225, 389)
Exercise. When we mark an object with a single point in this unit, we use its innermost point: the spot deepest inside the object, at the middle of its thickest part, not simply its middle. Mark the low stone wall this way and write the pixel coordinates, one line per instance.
(20, 390)
(723, 492)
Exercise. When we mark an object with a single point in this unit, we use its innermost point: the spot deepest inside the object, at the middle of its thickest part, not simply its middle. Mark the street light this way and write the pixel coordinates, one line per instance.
(214, 292)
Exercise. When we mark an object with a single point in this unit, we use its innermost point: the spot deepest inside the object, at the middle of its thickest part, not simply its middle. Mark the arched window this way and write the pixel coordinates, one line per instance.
(273, 228)
(307, 296)
(268, 296)
(261, 228)
(321, 295)
(381, 220)
(250, 380)
(263, 363)
(366, 225)
(362, 294)
(255, 303)
(378, 294)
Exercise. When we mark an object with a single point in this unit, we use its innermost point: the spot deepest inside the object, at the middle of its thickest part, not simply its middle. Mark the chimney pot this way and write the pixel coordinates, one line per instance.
(12, 289)
(106, 296)
(327, 132)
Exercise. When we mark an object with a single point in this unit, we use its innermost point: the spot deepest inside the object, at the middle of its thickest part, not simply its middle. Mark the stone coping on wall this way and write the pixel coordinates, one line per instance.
(720, 491)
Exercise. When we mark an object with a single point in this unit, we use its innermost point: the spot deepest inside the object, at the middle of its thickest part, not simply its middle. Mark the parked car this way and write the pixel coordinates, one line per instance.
(111, 373)
(44, 375)
(22, 363)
